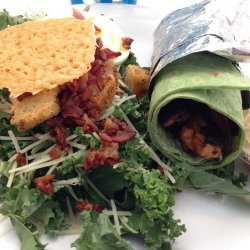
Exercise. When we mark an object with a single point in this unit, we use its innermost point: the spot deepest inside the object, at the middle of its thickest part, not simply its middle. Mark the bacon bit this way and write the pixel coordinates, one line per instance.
(110, 126)
(55, 152)
(71, 111)
(73, 86)
(86, 206)
(21, 97)
(77, 14)
(20, 159)
(105, 137)
(99, 43)
(107, 154)
(44, 184)
(88, 125)
(106, 54)
(160, 168)
(126, 42)
(97, 29)
(57, 131)
(116, 131)
(82, 83)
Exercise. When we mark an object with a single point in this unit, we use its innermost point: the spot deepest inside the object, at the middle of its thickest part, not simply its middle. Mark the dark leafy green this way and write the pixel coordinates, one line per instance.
(27, 238)
(211, 183)
(7, 20)
(99, 233)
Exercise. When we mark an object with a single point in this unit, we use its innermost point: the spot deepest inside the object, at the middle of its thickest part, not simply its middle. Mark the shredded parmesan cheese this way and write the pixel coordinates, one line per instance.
(20, 138)
(116, 220)
(45, 163)
(14, 140)
(119, 213)
(70, 210)
(124, 223)
(73, 181)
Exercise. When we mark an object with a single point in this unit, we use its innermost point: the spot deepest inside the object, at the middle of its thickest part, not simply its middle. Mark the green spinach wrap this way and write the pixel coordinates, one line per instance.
(195, 112)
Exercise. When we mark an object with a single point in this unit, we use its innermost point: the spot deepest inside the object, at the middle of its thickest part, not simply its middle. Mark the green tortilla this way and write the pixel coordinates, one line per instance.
(205, 78)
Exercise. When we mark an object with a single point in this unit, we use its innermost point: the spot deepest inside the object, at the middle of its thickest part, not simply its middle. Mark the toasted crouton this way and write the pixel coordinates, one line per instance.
(103, 99)
(137, 79)
(35, 109)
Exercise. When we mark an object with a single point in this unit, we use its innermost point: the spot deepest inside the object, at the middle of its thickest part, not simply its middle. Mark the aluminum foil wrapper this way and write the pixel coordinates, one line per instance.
(219, 27)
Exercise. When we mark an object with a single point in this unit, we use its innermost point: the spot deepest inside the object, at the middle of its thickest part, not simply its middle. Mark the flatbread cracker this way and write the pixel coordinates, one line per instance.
(40, 55)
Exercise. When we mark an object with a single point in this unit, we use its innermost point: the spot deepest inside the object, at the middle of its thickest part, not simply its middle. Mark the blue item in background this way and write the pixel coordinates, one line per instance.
(106, 1)
(77, 1)
(123, 1)
(130, 1)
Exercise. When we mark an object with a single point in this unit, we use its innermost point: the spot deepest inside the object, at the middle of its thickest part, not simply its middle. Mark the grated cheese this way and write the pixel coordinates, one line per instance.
(70, 210)
(71, 137)
(39, 155)
(96, 136)
(24, 150)
(77, 145)
(18, 138)
(12, 175)
(125, 224)
(119, 213)
(116, 220)
(34, 163)
(14, 140)
(73, 181)
(27, 168)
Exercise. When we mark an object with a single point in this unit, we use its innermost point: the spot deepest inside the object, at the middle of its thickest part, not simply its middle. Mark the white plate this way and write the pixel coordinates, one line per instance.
(213, 222)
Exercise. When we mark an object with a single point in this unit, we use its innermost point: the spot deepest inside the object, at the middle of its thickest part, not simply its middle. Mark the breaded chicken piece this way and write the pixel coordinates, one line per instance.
(35, 109)
(137, 79)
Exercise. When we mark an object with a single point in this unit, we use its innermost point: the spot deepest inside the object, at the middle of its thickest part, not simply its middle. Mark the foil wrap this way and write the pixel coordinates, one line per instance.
(216, 26)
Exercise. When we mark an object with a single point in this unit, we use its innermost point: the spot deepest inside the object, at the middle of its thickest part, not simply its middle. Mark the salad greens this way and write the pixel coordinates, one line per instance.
(136, 194)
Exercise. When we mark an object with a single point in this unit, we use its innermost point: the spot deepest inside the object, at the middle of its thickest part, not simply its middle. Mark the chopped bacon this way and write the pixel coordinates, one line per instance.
(160, 168)
(55, 152)
(44, 184)
(88, 125)
(107, 154)
(21, 97)
(105, 54)
(20, 159)
(99, 42)
(97, 29)
(57, 131)
(86, 206)
(71, 111)
(116, 131)
(77, 14)
(126, 42)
